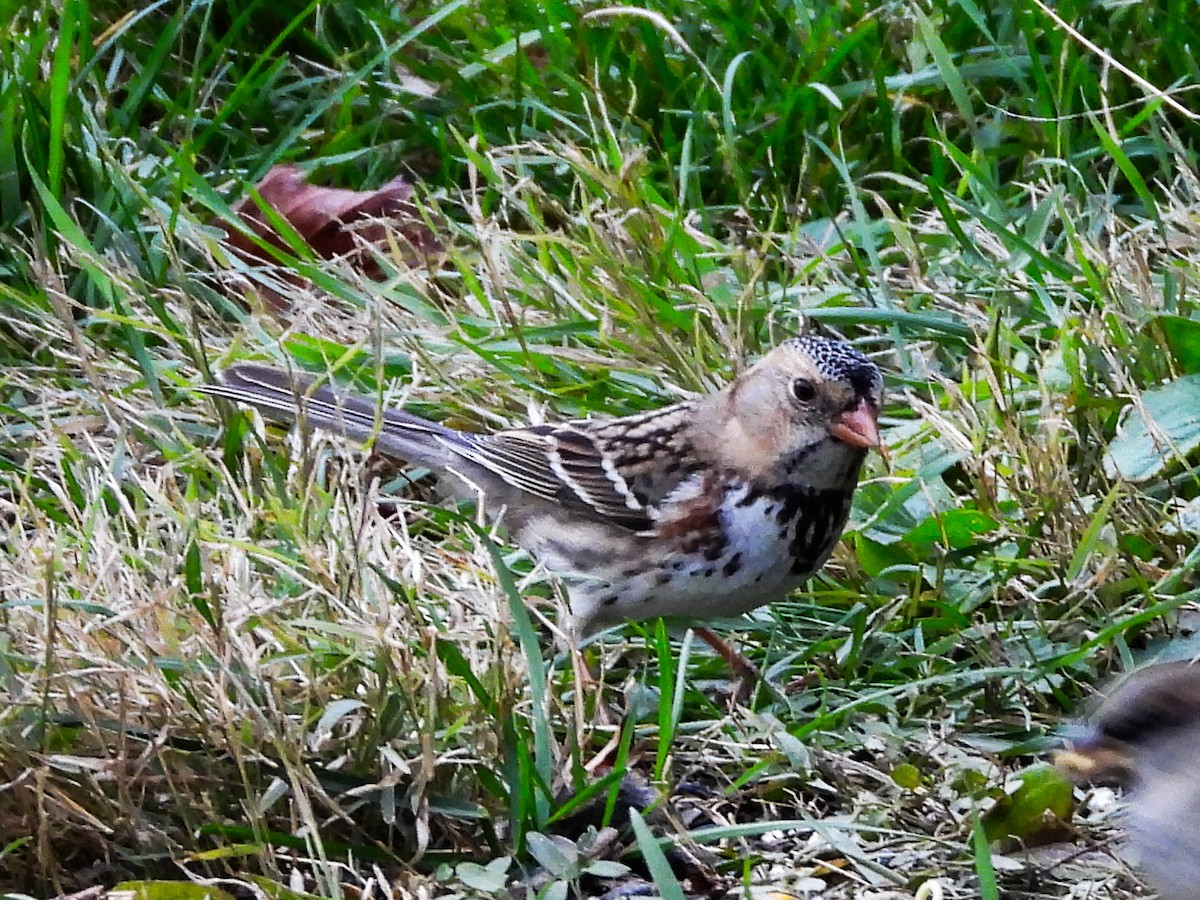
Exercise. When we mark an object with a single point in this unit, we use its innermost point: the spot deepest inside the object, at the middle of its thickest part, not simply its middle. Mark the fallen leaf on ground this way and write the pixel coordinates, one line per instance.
(336, 223)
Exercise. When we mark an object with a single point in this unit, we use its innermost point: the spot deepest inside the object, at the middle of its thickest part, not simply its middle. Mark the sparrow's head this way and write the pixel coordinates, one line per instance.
(810, 408)
(830, 386)
(1139, 730)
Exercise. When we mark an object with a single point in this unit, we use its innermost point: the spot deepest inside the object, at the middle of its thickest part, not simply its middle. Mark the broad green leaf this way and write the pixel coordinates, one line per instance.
(1036, 812)
(953, 528)
(172, 890)
(1166, 427)
(875, 558)
(906, 775)
(489, 879)
(1183, 339)
(557, 854)
(607, 868)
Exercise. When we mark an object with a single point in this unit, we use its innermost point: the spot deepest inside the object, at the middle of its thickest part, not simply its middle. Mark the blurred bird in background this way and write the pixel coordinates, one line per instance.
(1145, 735)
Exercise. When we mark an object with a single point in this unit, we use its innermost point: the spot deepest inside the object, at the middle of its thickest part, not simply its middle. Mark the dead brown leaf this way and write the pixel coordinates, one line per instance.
(336, 223)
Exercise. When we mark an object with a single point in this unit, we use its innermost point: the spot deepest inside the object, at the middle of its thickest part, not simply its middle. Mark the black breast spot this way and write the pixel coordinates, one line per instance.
(810, 520)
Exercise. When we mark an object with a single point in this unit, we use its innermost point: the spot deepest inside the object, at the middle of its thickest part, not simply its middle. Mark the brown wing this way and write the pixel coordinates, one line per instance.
(652, 452)
(618, 470)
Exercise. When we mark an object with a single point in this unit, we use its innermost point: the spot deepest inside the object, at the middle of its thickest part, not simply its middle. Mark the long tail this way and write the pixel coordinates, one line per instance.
(395, 432)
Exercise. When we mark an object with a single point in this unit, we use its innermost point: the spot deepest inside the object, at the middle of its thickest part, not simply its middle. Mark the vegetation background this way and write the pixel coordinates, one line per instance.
(245, 660)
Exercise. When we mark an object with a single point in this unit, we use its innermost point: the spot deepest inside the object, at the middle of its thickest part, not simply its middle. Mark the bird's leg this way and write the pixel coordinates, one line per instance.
(746, 671)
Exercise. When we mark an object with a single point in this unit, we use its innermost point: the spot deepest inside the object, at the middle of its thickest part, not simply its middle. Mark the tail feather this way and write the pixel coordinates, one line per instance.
(395, 432)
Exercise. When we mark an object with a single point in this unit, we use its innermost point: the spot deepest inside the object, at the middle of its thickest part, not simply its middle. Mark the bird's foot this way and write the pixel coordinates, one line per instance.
(743, 669)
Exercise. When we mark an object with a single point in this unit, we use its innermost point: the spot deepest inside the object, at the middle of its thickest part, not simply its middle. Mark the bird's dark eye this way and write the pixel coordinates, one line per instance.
(803, 390)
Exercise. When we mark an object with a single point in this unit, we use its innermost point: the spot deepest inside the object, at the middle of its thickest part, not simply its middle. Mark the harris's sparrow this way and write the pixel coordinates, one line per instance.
(1146, 735)
(707, 508)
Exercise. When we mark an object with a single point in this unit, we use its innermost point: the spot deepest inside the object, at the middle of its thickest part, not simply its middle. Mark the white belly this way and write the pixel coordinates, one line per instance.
(757, 565)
